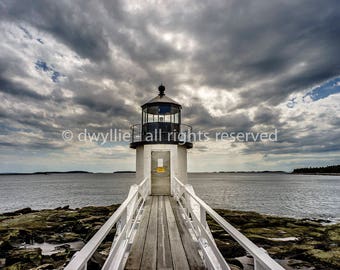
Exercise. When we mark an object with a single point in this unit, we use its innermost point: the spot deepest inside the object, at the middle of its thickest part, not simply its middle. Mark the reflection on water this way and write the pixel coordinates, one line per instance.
(311, 196)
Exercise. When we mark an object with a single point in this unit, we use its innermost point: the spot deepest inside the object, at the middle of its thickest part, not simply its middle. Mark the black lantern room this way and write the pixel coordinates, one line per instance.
(161, 122)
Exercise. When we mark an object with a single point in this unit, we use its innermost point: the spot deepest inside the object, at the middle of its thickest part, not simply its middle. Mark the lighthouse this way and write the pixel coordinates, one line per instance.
(163, 232)
(161, 142)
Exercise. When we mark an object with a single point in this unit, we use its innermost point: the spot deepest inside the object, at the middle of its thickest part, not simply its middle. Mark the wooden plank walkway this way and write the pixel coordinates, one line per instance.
(162, 240)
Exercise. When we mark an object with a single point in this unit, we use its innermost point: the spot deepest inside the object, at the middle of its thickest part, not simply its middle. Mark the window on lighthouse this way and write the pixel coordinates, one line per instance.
(150, 118)
(164, 109)
(176, 120)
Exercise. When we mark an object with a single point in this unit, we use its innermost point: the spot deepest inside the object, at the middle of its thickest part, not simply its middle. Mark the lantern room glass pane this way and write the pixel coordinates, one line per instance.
(167, 118)
(144, 118)
(166, 113)
(164, 109)
(153, 109)
(150, 118)
(176, 116)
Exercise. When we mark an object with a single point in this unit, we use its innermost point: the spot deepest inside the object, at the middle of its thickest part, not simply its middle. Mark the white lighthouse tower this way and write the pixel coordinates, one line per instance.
(161, 142)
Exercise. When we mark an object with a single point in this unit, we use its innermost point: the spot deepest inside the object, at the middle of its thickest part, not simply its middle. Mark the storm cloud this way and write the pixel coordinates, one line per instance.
(233, 65)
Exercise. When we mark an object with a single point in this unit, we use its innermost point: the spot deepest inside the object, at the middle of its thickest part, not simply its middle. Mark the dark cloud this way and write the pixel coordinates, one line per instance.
(202, 121)
(291, 142)
(28, 34)
(267, 115)
(265, 40)
(77, 28)
(19, 90)
(261, 52)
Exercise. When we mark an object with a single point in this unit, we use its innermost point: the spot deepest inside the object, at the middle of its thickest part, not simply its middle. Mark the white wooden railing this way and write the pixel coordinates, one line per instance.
(194, 211)
(126, 218)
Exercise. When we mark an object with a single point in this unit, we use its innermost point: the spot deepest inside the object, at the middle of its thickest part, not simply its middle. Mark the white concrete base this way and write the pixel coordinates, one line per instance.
(178, 160)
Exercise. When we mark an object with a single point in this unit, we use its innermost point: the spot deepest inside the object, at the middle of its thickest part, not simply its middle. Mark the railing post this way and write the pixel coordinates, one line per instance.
(188, 203)
(121, 222)
(203, 217)
(149, 186)
(174, 188)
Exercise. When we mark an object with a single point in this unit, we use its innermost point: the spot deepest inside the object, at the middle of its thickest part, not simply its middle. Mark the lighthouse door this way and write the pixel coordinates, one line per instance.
(160, 173)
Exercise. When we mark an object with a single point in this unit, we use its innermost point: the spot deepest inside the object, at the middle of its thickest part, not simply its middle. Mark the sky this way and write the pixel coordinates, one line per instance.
(234, 65)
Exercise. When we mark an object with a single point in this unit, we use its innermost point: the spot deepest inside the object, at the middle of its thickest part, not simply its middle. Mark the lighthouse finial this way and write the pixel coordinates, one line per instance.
(161, 90)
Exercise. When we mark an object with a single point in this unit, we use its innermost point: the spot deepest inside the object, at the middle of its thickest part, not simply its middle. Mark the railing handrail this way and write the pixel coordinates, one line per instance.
(261, 256)
(84, 255)
(141, 184)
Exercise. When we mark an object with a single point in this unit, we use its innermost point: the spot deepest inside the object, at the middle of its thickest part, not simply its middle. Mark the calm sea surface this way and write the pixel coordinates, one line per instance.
(311, 196)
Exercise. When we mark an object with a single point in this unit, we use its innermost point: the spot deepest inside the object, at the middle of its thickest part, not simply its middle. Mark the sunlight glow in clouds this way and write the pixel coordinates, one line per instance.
(236, 65)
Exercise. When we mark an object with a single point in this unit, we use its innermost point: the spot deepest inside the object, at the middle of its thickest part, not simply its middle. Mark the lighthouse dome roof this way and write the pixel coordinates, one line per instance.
(161, 98)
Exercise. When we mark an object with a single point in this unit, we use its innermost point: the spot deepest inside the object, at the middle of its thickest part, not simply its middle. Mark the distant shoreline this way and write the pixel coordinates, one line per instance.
(67, 172)
(221, 172)
(328, 170)
(46, 173)
(331, 174)
(333, 169)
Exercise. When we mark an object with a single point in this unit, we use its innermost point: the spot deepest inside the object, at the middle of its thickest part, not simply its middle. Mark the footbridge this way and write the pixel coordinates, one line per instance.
(165, 232)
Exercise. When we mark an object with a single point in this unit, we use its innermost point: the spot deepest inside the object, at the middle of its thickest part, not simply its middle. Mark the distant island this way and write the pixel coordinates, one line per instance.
(334, 169)
(52, 172)
(58, 172)
(251, 172)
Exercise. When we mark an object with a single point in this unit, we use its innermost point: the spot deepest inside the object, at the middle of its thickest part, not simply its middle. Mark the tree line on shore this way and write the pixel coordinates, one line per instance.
(327, 169)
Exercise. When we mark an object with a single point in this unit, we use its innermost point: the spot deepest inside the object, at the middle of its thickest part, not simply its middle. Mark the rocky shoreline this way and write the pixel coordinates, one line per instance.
(47, 239)
(295, 243)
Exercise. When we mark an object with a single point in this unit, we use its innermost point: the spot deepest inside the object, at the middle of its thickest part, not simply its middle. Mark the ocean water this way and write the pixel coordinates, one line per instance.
(301, 196)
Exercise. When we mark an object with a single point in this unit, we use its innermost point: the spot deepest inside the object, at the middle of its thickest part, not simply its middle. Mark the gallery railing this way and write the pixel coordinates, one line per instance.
(161, 132)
